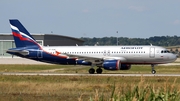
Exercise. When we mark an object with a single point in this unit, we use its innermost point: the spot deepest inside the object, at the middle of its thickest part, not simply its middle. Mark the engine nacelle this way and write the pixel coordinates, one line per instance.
(115, 65)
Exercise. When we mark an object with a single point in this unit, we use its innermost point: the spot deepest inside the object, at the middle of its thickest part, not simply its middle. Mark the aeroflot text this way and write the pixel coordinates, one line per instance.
(131, 47)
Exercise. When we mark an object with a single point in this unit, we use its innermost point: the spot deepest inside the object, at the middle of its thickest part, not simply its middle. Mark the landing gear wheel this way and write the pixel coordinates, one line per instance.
(91, 71)
(99, 71)
(153, 71)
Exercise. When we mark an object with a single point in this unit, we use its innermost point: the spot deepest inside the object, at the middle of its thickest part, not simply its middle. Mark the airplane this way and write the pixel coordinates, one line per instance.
(107, 57)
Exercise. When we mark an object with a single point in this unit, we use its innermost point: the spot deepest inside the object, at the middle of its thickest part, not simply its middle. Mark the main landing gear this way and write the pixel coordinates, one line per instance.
(98, 70)
(153, 70)
(91, 71)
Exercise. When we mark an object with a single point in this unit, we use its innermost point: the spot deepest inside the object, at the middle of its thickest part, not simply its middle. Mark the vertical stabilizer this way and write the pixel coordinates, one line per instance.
(21, 36)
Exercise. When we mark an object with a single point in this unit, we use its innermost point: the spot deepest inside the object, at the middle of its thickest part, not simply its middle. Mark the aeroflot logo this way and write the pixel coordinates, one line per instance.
(21, 34)
(131, 47)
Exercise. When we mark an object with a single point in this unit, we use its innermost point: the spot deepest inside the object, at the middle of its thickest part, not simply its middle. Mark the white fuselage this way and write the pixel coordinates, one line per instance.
(126, 54)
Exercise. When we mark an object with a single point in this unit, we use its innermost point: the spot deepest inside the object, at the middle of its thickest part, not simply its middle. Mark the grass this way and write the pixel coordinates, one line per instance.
(88, 88)
(84, 88)
(30, 68)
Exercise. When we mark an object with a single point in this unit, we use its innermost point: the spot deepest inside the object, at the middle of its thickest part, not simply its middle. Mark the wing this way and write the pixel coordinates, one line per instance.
(94, 59)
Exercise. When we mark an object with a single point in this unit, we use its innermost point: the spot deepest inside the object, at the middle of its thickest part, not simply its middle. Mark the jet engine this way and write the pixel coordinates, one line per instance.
(115, 65)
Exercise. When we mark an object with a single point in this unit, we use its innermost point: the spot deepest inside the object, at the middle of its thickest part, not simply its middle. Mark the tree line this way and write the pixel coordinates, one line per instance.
(156, 40)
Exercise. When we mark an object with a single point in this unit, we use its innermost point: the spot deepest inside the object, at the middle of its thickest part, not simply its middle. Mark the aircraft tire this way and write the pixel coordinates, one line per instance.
(153, 71)
(99, 71)
(91, 71)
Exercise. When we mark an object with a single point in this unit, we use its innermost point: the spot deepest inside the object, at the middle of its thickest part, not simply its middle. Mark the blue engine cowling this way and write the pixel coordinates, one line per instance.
(115, 65)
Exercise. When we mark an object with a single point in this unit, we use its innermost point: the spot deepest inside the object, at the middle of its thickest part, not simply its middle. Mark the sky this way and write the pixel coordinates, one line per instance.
(94, 18)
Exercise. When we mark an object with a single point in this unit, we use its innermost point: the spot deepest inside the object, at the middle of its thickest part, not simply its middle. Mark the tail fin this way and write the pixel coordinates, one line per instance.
(21, 36)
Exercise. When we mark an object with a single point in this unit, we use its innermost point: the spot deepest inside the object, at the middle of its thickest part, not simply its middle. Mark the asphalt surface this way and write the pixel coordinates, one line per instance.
(66, 74)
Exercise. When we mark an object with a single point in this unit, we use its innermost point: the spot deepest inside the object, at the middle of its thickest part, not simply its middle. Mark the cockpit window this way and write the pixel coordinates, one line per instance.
(165, 51)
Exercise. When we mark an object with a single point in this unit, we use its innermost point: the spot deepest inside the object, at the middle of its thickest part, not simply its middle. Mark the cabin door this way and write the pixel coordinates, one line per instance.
(152, 52)
(40, 54)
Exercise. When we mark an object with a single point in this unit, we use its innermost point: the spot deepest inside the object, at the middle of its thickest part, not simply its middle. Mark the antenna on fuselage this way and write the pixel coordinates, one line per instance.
(151, 44)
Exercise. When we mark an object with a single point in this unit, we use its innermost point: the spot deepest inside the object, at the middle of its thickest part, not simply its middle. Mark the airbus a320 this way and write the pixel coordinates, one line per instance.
(107, 57)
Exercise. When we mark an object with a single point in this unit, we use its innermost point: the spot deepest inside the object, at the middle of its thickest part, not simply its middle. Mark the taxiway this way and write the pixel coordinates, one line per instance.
(67, 74)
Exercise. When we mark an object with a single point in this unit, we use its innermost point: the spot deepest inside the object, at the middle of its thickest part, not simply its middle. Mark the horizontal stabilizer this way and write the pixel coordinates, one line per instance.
(22, 52)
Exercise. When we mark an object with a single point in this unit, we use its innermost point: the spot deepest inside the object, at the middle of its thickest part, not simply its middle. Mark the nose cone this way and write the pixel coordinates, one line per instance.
(173, 57)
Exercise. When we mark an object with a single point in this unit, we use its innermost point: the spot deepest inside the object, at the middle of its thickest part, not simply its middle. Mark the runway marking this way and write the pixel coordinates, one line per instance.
(63, 74)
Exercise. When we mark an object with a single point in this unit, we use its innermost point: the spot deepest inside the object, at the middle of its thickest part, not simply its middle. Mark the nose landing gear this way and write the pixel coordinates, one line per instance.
(153, 70)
